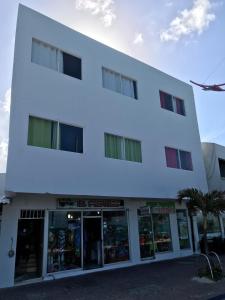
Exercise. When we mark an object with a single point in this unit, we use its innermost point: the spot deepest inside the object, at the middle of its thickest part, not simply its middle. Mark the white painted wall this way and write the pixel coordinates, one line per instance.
(45, 93)
(211, 153)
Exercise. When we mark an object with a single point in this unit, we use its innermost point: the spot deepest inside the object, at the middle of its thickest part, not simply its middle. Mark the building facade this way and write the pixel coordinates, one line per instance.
(99, 146)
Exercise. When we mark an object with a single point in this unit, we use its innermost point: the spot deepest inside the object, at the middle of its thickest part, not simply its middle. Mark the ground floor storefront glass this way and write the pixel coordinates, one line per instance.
(146, 238)
(86, 239)
(182, 224)
(115, 235)
(64, 241)
(213, 225)
(162, 233)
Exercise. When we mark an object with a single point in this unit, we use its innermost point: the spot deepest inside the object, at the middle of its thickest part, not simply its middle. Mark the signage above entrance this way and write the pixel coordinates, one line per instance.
(89, 203)
(161, 207)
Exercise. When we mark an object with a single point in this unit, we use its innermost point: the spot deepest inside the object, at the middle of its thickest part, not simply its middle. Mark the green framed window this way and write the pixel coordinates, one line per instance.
(42, 133)
(53, 135)
(122, 148)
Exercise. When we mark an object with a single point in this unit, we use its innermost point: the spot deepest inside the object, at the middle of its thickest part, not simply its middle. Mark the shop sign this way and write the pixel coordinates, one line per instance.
(145, 211)
(161, 207)
(89, 203)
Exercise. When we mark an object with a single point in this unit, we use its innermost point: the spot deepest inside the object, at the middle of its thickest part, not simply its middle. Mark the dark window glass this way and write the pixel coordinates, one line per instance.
(186, 161)
(222, 167)
(71, 138)
(166, 101)
(71, 65)
(180, 106)
(135, 89)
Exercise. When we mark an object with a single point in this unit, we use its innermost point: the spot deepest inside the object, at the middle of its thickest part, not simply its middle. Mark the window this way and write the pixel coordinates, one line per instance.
(213, 224)
(52, 58)
(54, 135)
(146, 235)
(119, 83)
(182, 224)
(64, 241)
(222, 167)
(172, 103)
(162, 232)
(178, 159)
(122, 148)
(115, 233)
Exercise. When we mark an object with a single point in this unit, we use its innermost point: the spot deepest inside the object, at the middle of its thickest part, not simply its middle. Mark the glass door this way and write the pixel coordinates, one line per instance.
(92, 242)
(146, 236)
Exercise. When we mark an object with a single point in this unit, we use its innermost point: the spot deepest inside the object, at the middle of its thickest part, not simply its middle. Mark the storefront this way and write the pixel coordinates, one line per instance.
(90, 235)
(55, 238)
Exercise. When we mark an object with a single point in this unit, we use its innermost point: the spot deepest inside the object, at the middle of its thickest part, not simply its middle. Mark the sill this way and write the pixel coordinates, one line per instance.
(58, 150)
(115, 92)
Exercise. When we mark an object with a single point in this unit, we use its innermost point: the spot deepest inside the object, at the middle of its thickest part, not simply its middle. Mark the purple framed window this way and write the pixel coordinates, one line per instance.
(166, 101)
(186, 160)
(180, 106)
(172, 159)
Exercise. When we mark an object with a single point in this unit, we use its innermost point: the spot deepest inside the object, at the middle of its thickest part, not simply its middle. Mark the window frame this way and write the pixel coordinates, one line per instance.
(179, 158)
(123, 147)
(57, 50)
(174, 103)
(223, 161)
(134, 81)
(57, 134)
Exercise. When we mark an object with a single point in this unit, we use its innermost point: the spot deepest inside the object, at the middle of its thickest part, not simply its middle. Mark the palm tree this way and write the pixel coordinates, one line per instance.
(212, 202)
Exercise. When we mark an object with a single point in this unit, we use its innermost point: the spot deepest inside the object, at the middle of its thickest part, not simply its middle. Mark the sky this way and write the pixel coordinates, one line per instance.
(182, 38)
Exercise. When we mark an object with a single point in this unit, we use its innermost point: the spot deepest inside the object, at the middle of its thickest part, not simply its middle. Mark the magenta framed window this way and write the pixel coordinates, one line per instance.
(166, 101)
(172, 158)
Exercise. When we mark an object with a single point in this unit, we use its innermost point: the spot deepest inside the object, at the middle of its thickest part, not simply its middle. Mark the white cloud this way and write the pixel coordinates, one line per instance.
(194, 20)
(102, 8)
(138, 39)
(4, 128)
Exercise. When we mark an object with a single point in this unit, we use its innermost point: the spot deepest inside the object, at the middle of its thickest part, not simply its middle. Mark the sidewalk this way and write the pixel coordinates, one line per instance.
(161, 280)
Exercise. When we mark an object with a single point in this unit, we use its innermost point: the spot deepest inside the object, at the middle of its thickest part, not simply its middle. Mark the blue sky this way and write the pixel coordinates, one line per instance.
(182, 38)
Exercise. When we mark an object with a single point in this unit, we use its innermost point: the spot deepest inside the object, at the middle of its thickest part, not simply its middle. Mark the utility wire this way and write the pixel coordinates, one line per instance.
(215, 69)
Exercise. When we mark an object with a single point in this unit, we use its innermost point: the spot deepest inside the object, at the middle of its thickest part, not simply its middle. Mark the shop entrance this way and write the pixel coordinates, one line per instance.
(29, 249)
(92, 242)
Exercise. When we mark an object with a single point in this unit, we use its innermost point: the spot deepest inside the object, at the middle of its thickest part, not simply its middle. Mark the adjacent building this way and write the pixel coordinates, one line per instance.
(99, 146)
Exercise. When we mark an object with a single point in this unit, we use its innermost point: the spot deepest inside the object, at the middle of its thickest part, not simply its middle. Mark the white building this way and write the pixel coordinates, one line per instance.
(99, 146)
(214, 160)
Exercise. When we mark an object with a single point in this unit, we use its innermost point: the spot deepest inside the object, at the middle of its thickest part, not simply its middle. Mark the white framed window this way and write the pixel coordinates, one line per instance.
(122, 148)
(54, 135)
(172, 103)
(50, 57)
(119, 83)
(178, 159)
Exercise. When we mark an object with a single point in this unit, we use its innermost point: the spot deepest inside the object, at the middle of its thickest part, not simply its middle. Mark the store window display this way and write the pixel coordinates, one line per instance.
(64, 241)
(162, 232)
(115, 233)
(182, 224)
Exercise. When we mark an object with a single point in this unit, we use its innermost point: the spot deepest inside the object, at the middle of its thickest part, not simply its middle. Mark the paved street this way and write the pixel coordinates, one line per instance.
(161, 280)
